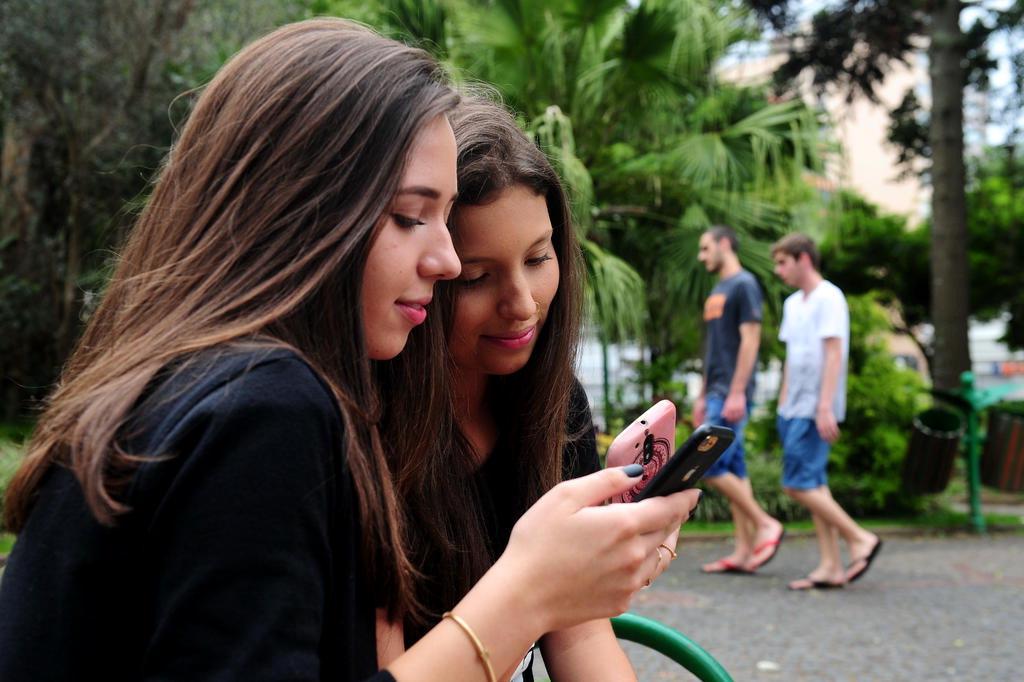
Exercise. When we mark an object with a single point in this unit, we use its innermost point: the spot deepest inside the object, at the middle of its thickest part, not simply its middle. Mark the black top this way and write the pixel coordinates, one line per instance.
(240, 557)
(733, 301)
(499, 496)
(239, 560)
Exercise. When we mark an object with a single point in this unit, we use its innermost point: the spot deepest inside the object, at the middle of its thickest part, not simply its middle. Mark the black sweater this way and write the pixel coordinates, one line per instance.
(238, 561)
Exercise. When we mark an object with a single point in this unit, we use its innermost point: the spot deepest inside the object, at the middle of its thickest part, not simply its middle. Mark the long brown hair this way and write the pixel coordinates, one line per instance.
(257, 228)
(446, 529)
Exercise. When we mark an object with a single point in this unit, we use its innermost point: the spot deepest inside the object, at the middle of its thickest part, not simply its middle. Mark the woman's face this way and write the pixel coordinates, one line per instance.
(509, 278)
(413, 248)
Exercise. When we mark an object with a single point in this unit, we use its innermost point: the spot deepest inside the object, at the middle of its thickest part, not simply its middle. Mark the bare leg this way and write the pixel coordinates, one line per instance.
(742, 532)
(819, 502)
(753, 526)
(829, 570)
(830, 564)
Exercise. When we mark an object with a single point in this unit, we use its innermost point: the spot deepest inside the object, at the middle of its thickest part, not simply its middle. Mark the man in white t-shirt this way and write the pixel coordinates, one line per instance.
(812, 402)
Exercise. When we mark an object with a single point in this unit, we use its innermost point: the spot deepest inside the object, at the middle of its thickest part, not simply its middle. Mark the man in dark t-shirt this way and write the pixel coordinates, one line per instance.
(732, 315)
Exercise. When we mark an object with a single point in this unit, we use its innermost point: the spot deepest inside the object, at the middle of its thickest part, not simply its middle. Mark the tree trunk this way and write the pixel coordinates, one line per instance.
(20, 218)
(949, 215)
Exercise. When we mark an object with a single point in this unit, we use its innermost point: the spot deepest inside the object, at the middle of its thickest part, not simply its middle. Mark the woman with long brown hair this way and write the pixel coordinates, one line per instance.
(207, 494)
(518, 421)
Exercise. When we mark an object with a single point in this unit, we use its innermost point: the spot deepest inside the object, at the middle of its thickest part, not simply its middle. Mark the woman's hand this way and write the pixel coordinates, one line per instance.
(576, 559)
(571, 559)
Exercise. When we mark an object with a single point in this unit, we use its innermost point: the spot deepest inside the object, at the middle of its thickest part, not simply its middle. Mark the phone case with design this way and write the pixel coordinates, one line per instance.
(689, 463)
(648, 441)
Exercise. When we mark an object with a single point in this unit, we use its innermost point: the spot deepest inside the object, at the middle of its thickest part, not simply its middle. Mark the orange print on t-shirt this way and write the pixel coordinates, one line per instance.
(714, 307)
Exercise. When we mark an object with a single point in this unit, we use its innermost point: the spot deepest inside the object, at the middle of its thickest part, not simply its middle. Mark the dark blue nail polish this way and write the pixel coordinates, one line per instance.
(633, 470)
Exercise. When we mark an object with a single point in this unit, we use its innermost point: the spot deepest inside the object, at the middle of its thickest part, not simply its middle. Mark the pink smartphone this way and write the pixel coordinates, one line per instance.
(648, 441)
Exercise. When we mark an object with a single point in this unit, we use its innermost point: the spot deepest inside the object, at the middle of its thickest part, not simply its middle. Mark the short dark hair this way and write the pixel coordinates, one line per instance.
(796, 243)
(720, 232)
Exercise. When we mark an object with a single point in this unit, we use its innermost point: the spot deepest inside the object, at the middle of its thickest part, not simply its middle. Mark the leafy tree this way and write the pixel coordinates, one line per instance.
(86, 93)
(996, 220)
(623, 95)
(851, 44)
(654, 146)
(867, 252)
(882, 399)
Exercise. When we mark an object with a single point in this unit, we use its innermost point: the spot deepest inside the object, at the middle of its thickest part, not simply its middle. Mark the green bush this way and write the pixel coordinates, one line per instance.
(865, 466)
(765, 471)
(12, 440)
(1011, 406)
(882, 398)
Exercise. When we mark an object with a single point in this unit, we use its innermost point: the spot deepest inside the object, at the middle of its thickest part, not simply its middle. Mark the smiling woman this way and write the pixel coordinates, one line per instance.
(515, 421)
(225, 484)
(509, 277)
(207, 483)
(405, 262)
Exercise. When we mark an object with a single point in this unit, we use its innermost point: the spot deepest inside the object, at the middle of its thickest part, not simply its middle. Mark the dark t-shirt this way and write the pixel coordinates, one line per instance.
(733, 301)
(240, 558)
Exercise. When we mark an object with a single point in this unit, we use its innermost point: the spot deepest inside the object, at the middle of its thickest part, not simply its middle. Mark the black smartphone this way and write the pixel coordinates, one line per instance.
(689, 462)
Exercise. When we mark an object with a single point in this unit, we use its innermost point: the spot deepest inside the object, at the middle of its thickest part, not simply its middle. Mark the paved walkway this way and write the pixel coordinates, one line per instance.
(931, 608)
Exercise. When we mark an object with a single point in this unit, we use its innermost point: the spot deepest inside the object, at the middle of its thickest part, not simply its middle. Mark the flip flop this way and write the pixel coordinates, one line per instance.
(804, 584)
(727, 566)
(851, 574)
(773, 544)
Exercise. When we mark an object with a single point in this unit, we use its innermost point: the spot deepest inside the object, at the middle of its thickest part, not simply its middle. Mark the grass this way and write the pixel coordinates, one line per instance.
(938, 520)
(12, 439)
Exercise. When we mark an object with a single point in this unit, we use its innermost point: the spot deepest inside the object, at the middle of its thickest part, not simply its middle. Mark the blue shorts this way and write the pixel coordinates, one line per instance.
(732, 460)
(804, 454)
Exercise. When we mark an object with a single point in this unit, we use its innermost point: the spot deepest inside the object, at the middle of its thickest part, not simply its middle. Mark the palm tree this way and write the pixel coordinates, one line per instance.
(653, 146)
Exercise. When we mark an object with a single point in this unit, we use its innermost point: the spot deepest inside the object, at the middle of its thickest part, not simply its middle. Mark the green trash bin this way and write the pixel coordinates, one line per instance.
(1002, 461)
(932, 451)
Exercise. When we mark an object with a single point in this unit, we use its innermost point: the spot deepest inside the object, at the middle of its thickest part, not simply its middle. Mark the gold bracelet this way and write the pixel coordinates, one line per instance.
(481, 650)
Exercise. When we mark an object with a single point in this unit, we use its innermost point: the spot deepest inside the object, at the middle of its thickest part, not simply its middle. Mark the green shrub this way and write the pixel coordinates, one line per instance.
(764, 468)
(12, 440)
(765, 472)
(865, 467)
(1011, 406)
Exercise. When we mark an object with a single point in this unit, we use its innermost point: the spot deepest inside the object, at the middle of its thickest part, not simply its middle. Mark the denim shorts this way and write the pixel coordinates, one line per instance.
(804, 454)
(732, 460)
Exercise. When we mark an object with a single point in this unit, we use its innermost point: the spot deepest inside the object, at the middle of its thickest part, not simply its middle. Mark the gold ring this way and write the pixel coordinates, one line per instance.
(671, 551)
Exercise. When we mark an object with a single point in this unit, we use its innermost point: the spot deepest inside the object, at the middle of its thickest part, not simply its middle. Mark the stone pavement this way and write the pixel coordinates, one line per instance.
(931, 608)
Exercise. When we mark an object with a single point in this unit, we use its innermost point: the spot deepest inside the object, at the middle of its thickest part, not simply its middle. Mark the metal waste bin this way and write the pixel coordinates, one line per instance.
(932, 451)
(1002, 460)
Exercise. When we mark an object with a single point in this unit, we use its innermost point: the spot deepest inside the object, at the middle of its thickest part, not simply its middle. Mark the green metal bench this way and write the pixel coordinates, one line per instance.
(671, 643)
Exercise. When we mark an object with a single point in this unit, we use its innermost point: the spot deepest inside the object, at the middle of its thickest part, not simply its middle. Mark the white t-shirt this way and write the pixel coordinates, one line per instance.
(807, 320)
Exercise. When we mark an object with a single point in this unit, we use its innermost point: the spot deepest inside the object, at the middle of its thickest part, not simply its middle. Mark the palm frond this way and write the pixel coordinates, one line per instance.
(616, 295)
(553, 132)
(420, 22)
